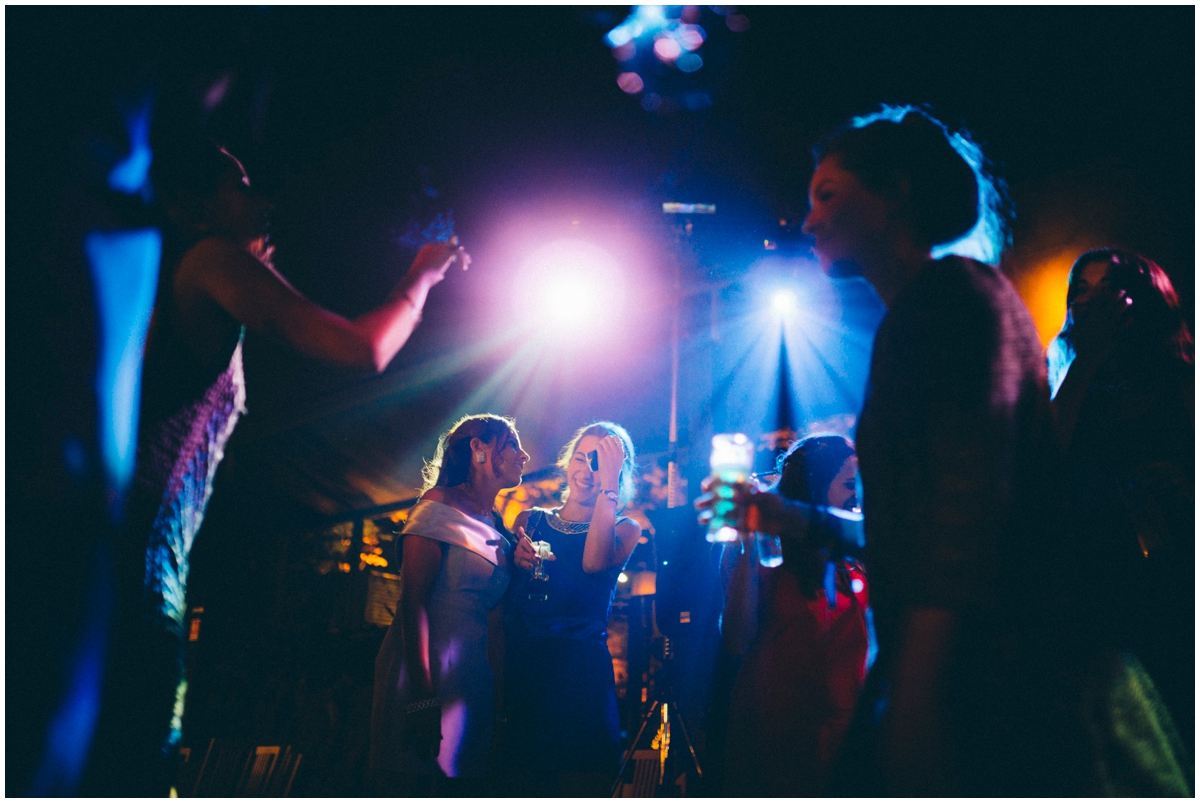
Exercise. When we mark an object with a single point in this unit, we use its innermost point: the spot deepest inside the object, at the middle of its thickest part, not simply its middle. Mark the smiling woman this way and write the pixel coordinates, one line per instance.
(559, 686)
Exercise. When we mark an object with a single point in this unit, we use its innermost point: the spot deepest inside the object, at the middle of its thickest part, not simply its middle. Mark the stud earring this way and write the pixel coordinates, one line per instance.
(480, 457)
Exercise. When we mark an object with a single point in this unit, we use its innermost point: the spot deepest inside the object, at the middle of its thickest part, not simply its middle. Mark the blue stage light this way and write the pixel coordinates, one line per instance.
(784, 302)
(124, 268)
(129, 175)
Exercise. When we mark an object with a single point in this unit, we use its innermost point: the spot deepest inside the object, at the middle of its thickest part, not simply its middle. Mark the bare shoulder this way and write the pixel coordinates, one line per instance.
(213, 250)
(523, 518)
(214, 260)
(628, 528)
(435, 494)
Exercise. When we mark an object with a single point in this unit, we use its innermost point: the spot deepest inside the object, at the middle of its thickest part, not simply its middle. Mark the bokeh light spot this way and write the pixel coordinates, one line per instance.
(737, 22)
(690, 37)
(689, 62)
(625, 52)
(630, 82)
(667, 49)
(651, 101)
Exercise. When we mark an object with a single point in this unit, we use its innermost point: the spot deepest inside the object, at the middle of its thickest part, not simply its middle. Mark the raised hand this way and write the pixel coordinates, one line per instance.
(434, 259)
(757, 510)
(610, 455)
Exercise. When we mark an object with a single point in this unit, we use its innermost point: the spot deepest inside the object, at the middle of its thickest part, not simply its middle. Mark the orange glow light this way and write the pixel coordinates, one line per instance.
(1044, 290)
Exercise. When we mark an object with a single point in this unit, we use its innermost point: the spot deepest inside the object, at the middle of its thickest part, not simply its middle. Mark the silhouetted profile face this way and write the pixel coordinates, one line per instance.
(848, 222)
(843, 491)
(1092, 286)
(235, 209)
(509, 459)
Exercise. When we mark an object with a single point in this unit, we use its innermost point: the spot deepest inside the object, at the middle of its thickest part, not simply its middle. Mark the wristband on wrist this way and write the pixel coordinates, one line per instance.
(611, 495)
(422, 705)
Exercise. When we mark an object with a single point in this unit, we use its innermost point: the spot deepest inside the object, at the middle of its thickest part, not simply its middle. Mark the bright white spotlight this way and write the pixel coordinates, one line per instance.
(784, 302)
(570, 287)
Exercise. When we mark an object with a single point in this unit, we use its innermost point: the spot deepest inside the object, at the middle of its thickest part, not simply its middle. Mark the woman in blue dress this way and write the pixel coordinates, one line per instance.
(560, 696)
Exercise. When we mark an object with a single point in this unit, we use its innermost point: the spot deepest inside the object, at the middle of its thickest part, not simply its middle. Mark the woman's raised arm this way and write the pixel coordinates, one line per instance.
(259, 297)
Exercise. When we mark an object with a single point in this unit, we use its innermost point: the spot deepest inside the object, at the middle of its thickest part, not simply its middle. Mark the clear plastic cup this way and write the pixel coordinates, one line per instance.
(539, 580)
(770, 550)
(731, 460)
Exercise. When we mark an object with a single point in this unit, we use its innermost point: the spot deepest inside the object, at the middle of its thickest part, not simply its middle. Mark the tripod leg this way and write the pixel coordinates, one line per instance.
(688, 740)
(632, 747)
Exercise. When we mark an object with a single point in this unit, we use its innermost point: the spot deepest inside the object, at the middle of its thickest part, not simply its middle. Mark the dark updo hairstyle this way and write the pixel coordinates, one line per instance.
(1157, 329)
(807, 469)
(187, 169)
(185, 173)
(949, 194)
(451, 463)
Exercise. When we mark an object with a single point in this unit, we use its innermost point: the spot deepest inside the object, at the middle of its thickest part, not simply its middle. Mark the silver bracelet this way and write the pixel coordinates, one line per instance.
(422, 705)
(611, 495)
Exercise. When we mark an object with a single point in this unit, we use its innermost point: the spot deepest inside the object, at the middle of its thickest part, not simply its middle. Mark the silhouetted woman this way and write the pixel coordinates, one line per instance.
(216, 281)
(803, 629)
(1125, 401)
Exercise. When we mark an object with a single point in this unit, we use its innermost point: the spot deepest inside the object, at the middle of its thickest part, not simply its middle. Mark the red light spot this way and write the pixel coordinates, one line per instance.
(630, 82)
(625, 52)
(667, 49)
(737, 22)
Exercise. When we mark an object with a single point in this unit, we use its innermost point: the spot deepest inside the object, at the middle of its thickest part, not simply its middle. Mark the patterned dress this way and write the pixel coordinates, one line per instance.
(188, 412)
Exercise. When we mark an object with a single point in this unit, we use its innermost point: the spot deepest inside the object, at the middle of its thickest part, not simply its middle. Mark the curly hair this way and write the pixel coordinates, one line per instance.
(627, 483)
(451, 463)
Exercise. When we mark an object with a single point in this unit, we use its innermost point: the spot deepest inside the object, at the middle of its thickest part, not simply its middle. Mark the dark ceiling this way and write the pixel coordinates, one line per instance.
(512, 116)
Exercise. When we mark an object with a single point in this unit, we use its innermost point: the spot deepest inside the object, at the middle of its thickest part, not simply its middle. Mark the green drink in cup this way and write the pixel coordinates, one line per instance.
(731, 460)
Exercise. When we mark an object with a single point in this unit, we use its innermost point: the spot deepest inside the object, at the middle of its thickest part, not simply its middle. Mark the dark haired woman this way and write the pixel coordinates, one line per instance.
(1125, 395)
(433, 712)
(216, 281)
(560, 698)
(955, 444)
(806, 650)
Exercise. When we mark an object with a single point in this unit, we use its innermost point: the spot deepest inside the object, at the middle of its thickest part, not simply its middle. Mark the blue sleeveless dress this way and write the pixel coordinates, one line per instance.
(560, 696)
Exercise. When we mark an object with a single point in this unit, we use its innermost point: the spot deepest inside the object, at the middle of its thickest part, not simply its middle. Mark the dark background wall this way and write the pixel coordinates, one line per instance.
(512, 116)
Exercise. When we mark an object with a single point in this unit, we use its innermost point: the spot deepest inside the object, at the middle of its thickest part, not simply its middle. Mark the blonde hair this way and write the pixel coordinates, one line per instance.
(627, 480)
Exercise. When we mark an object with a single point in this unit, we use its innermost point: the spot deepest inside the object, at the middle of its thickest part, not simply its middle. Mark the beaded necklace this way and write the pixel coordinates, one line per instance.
(557, 522)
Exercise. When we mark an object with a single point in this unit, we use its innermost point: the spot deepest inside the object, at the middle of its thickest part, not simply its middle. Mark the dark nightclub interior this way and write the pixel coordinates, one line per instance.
(632, 186)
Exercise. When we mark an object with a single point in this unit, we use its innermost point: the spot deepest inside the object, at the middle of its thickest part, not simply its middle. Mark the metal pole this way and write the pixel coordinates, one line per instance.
(673, 436)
